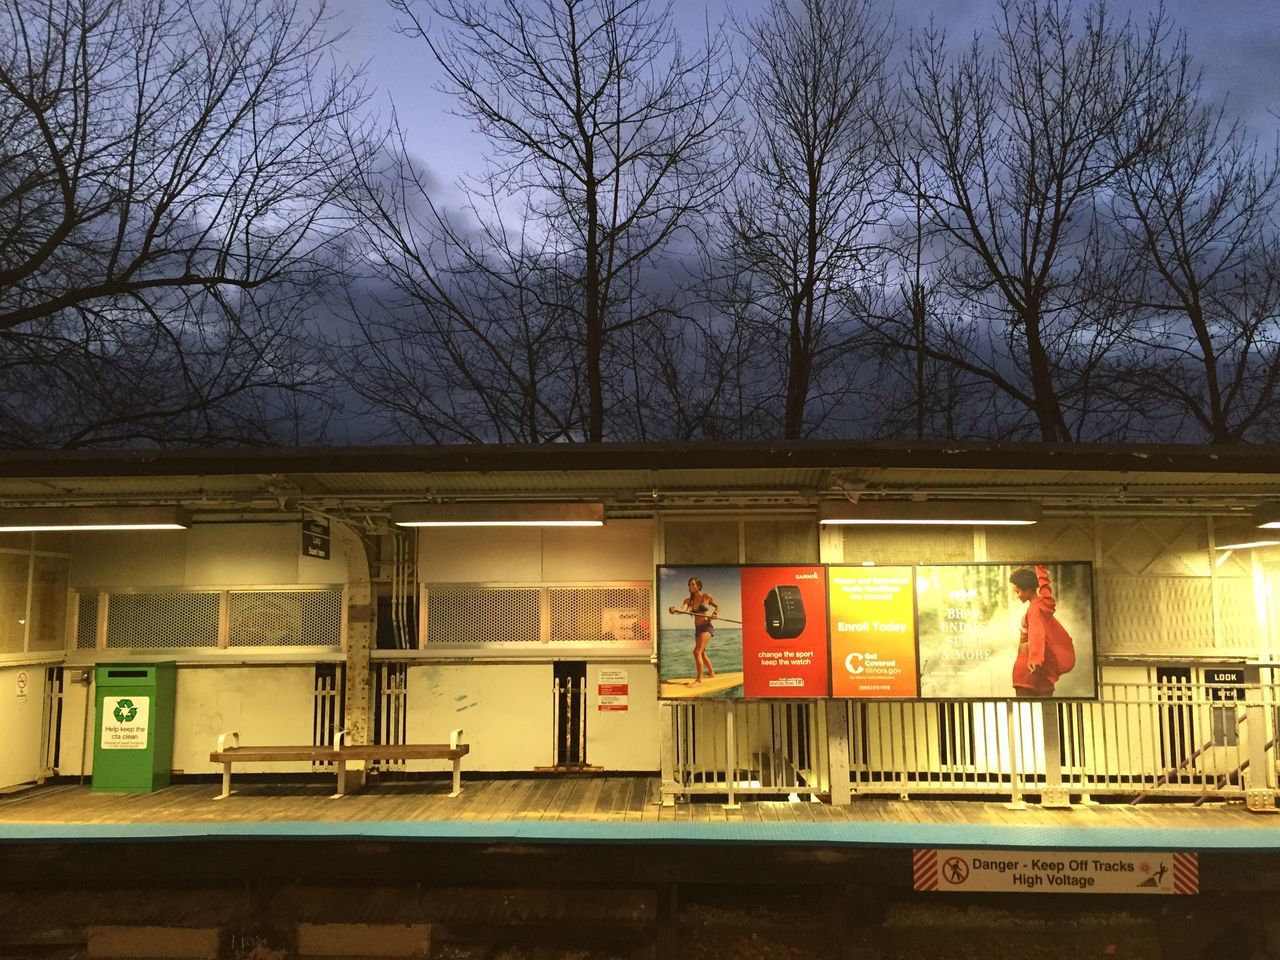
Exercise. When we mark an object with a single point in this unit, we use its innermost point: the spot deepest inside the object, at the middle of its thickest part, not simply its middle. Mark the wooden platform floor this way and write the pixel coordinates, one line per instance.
(563, 799)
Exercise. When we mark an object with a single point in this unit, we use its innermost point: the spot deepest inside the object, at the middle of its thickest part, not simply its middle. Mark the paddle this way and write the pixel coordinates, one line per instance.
(690, 613)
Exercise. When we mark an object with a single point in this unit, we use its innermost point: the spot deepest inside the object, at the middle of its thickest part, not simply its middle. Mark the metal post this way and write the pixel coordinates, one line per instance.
(1016, 802)
(1055, 796)
(838, 751)
(1258, 793)
(731, 756)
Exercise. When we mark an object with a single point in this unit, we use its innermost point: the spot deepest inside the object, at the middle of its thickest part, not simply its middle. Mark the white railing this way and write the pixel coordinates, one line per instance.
(737, 748)
(1190, 740)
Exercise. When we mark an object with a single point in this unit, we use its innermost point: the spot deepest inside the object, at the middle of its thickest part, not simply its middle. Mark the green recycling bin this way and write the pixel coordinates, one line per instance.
(133, 737)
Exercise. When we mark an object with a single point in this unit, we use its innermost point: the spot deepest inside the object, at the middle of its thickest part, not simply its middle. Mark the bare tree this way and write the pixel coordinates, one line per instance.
(460, 333)
(807, 216)
(1199, 214)
(603, 134)
(167, 169)
(1017, 148)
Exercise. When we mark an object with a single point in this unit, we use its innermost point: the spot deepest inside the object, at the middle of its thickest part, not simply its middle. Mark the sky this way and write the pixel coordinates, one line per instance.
(1236, 43)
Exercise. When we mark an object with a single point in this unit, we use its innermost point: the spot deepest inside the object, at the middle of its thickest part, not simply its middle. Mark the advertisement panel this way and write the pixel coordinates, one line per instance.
(734, 632)
(873, 632)
(784, 632)
(997, 630)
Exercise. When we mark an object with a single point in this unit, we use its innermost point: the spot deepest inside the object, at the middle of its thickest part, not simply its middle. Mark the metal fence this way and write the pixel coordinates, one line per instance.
(745, 748)
(1185, 737)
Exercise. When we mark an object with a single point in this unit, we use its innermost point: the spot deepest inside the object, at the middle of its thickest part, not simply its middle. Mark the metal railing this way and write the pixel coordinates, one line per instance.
(746, 748)
(1187, 739)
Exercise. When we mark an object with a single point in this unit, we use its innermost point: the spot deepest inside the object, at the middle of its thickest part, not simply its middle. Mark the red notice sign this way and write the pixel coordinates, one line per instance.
(612, 691)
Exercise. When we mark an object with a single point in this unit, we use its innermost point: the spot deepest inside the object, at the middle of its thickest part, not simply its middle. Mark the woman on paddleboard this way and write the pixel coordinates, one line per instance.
(703, 606)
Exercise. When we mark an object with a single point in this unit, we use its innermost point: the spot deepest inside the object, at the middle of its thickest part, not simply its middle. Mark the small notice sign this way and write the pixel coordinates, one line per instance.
(1225, 686)
(125, 722)
(315, 538)
(22, 686)
(1055, 871)
(613, 691)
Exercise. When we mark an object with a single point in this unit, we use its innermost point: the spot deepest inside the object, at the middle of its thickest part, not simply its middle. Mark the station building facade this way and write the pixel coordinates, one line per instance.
(296, 605)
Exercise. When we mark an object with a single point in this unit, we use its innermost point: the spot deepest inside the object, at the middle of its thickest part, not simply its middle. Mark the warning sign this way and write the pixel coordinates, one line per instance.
(1055, 871)
(22, 686)
(613, 691)
(125, 722)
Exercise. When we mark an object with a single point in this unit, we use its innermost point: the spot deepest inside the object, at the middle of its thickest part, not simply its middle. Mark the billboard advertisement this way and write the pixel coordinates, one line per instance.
(733, 632)
(952, 631)
(999, 630)
(873, 632)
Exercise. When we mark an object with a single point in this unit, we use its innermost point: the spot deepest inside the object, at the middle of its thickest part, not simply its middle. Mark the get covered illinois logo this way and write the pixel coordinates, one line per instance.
(873, 632)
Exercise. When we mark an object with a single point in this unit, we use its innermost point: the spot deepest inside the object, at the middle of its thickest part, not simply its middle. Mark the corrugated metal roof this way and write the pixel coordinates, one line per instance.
(643, 474)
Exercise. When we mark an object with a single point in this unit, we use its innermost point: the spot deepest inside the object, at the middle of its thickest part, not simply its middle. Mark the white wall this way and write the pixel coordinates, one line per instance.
(207, 555)
(21, 718)
(624, 740)
(504, 710)
(264, 704)
(620, 550)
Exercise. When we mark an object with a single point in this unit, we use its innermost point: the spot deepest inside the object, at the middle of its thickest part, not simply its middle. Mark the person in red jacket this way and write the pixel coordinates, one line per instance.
(1045, 649)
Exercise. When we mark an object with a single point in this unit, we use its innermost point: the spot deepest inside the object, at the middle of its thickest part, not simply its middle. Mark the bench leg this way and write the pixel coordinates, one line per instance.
(226, 782)
(342, 779)
(457, 777)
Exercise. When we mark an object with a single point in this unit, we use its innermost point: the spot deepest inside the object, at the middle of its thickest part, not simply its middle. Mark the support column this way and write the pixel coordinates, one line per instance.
(1259, 793)
(838, 751)
(356, 693)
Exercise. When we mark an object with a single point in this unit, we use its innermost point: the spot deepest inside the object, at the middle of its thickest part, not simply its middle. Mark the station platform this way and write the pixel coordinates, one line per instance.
(610, 810)
(598, 866)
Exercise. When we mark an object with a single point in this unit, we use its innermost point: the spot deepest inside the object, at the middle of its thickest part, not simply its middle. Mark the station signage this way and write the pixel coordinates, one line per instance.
(992, 870)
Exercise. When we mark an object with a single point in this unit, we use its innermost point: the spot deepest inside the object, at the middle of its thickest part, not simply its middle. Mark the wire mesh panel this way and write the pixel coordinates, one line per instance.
(482, 615)
(14, 572)
(308, 618)
(599, 614)
(162, 620)
(87, 621)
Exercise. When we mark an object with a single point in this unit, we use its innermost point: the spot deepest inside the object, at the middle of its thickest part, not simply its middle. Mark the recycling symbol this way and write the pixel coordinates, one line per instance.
(125, 711)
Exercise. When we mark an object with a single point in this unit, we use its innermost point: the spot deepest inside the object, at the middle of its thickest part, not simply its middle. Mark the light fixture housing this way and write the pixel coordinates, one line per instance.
(83, 519)
(1233, 535)
(506, 514)
(973, 513)
(1267, 516)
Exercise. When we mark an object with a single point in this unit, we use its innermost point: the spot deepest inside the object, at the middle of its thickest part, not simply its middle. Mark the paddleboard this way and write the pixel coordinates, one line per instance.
(683, 688)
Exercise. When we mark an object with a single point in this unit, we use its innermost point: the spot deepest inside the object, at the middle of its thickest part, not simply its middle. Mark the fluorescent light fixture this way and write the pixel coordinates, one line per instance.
(1267, 517)
(1247, 544)
(519, 514)
(78, 519)
(971, 513)
(1231, 535)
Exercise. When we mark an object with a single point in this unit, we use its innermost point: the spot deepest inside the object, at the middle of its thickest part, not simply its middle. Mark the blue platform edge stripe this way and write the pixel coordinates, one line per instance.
(853, 834)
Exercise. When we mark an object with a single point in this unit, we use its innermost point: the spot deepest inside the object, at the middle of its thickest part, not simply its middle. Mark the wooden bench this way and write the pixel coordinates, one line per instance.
(230, 752)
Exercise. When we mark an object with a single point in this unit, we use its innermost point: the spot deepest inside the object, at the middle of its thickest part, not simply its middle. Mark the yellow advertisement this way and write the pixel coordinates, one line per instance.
(873, 635)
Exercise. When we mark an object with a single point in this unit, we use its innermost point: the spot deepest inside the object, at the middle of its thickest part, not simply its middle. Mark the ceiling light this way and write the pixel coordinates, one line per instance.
(930, 512)
(1267, 516)
(79, 519)
(533, 514)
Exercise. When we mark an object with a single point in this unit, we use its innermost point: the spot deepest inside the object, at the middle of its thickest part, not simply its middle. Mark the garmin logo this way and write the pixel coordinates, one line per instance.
(807, 576)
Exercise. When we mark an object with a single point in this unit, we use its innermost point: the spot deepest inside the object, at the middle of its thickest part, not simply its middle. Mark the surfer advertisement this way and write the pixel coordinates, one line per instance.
(699, 632)
(731, 632)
